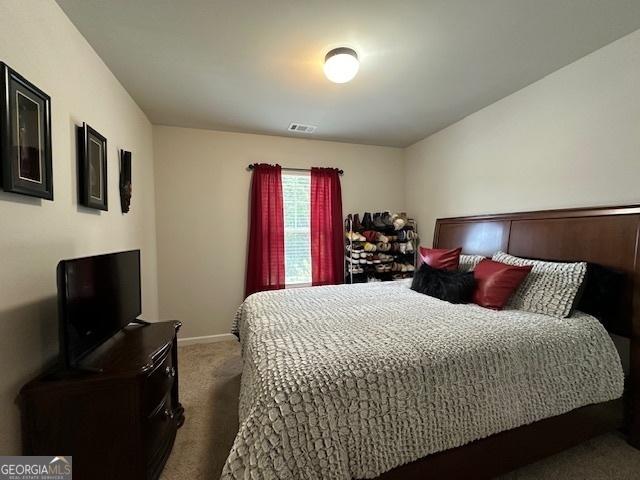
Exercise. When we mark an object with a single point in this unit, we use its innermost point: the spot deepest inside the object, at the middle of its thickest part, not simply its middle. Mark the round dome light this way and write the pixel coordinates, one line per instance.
(341, 65)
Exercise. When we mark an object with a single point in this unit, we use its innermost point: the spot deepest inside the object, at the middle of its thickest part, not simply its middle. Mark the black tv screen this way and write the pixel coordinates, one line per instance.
(97, 297)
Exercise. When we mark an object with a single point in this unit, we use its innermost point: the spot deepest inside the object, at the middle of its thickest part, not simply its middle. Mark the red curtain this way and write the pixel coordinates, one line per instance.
(265, 259)
(327, 243)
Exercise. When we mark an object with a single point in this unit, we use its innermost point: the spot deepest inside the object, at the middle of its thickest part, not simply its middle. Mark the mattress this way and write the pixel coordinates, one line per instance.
(350, 381)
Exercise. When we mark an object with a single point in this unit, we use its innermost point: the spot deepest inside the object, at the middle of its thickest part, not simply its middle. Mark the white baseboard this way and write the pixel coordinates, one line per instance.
(206, 339)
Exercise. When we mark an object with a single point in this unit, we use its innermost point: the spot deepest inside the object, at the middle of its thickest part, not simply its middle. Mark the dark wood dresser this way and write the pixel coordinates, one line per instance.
(117, 415)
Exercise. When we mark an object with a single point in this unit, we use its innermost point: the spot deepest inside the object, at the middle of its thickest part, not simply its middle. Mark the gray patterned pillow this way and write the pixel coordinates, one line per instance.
(550, 288)
(468, 263)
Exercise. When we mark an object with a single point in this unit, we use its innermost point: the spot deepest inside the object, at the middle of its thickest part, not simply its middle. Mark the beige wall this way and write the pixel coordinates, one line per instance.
(38, 40)
(202, 196)
(571, 139)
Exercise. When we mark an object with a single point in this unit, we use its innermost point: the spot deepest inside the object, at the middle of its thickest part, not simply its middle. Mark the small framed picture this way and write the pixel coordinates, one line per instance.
(25, 136)
(125, 180)
(92, 168)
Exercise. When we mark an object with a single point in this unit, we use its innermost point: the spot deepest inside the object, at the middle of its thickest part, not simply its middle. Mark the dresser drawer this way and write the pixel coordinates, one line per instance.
(158, 383)
(158, 428)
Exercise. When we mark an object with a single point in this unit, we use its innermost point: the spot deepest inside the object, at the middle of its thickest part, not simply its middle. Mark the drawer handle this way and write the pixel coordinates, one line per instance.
(170, 371)
(168, 414)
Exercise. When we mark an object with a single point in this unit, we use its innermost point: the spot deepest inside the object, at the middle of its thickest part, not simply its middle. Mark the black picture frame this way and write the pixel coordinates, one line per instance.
(25, 136)
(125, 181)
(92, 168)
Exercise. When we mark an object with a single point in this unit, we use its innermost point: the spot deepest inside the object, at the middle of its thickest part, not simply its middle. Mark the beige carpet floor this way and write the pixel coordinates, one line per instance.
(209, 387)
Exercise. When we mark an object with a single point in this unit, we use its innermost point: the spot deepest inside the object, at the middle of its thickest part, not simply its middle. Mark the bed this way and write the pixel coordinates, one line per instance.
(378, 381)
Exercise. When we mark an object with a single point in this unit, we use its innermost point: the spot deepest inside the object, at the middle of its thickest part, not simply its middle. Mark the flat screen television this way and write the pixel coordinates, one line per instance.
(97, 297)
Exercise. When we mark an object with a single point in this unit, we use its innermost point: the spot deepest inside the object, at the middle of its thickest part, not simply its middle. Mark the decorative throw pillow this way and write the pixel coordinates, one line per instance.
(550, 289)
(450, 286)
(468, 262)
(442, 258)
(602, 291)
(496, 282)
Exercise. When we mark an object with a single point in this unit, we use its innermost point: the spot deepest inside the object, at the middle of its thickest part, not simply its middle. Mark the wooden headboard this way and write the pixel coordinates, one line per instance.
(609, 236)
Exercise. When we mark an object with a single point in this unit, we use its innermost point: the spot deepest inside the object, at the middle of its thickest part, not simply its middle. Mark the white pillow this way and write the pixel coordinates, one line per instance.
(468, 263)
(550, 288)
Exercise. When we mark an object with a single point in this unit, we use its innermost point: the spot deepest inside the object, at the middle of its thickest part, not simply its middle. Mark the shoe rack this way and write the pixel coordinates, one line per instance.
(380, 247)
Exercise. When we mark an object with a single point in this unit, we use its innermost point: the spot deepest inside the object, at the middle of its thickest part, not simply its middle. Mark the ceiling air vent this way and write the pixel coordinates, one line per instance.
(301, 128)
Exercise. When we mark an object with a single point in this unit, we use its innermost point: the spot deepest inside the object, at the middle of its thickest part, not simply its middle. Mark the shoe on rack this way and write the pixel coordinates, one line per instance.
(381, 237)
(399, 220)
(410, 247)
(348, 223)
(410, 268)
(375, 258)
(354, 237)
(367, 223)
(377, 221)
(403, 248)
(356, 247)
(370, 247)
(383, 247)
(370, 235)
(357, 226)
(386, 219)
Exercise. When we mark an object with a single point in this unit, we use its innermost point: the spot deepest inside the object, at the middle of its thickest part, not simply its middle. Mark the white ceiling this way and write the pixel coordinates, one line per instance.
(256, 65)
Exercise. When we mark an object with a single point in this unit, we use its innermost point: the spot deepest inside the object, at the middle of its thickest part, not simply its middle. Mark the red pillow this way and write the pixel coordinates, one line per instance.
(496, 282)
(441, 257)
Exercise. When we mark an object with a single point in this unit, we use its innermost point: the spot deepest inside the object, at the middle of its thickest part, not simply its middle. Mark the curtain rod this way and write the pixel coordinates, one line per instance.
(251, 166)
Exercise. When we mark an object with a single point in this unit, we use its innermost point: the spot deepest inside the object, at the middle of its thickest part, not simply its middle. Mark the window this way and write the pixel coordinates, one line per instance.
(296, 192)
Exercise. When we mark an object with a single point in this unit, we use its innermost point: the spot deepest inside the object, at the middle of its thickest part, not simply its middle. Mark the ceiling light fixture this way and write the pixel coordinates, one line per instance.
(341, 64)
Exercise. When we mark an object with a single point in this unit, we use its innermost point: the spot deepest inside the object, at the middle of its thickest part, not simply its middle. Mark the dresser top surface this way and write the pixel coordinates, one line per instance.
(136, 348)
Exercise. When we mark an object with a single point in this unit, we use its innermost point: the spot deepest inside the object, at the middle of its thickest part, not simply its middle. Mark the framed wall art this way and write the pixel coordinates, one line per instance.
(92, 168)
(125, 180)
(25, 136)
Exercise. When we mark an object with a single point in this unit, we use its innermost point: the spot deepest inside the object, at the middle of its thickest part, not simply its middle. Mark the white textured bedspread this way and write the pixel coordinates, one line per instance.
(350, 381)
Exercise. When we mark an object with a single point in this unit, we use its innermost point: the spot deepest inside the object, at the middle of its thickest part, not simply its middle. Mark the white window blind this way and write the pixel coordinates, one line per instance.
(296, 192)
